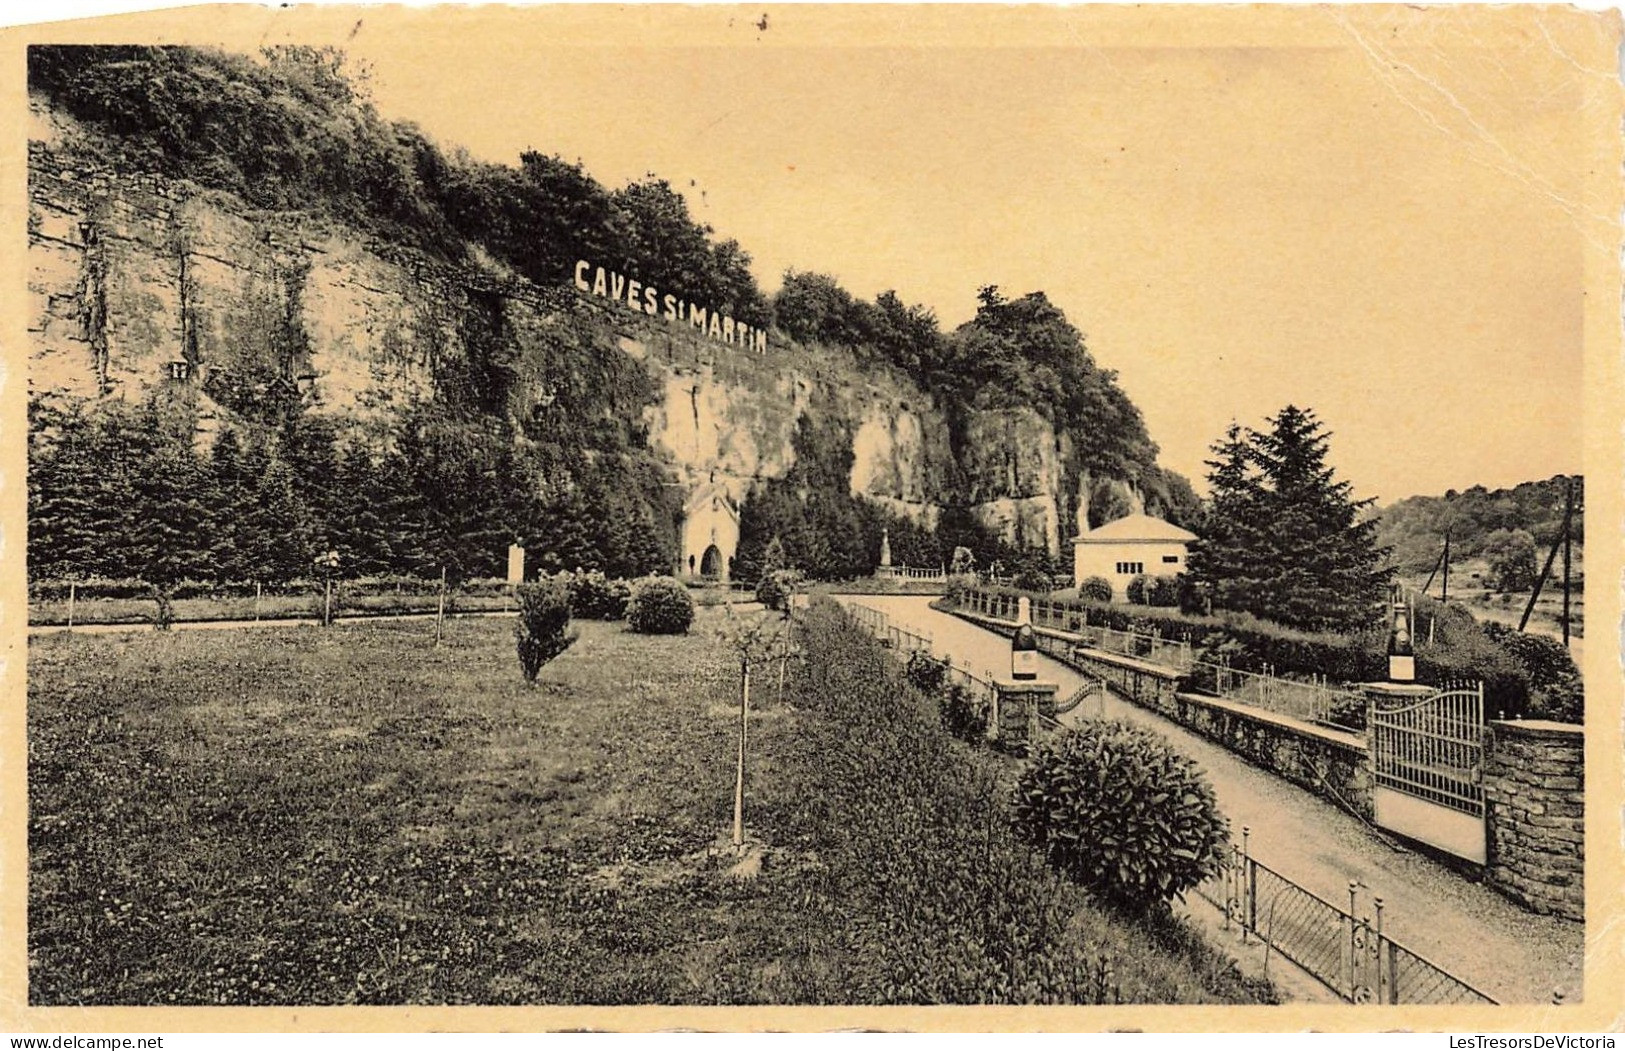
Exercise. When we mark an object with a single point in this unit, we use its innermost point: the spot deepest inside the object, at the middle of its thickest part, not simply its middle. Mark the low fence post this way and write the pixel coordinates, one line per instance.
(1250, 887)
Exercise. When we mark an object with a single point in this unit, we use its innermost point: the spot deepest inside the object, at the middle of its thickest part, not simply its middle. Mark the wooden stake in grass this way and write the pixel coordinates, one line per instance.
(440, 610)
(70, 605)
(739, 775)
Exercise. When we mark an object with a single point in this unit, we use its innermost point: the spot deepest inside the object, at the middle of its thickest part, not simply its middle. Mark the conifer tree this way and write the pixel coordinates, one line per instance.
(1283, 539)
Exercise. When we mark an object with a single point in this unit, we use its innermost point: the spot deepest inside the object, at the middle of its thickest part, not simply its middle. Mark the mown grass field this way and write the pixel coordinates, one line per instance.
(293, 815)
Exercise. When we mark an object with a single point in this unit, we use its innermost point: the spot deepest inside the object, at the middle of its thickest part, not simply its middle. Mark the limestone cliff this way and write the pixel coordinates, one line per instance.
(140, 284)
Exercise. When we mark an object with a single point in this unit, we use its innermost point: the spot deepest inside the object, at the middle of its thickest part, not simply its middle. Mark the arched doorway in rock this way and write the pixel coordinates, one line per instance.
(711, 562)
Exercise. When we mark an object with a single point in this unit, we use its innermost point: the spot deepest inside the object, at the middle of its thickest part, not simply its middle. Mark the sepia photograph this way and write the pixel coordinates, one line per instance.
(818, 508)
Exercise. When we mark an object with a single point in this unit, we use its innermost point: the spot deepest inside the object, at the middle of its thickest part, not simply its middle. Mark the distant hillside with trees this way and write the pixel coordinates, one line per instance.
(1497, 525)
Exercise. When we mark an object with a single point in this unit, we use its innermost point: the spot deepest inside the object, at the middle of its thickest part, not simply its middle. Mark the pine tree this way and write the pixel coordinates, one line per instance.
(172, 537)
(77, 501)
(1227, 560)
(1283, 539)
(276, 533)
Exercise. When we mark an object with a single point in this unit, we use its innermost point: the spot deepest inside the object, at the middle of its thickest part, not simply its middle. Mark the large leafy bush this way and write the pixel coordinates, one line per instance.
(659, 606)
(543, 631)
(1115, 808)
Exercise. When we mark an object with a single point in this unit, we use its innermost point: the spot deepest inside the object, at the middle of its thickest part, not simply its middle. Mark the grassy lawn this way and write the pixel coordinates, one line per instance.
(293, 815)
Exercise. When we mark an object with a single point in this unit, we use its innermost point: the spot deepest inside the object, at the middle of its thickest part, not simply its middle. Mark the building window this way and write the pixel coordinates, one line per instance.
(1130, 569)
(180, 370)
(1170, 560)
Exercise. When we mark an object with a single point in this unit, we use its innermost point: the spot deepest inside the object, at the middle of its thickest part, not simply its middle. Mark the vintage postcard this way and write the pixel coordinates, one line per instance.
(810, 517)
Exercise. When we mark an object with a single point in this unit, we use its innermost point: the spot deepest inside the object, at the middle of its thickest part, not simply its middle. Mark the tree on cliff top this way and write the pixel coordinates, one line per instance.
(1282, 538)
(1024, 351)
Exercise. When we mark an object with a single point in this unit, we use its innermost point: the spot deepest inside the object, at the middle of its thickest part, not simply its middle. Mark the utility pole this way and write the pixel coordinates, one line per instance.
(1567, 541)
(1444, 586)
(1546, 570)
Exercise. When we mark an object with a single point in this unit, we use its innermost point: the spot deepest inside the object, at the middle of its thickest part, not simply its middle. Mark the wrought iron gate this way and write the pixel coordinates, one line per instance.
(1427, 759)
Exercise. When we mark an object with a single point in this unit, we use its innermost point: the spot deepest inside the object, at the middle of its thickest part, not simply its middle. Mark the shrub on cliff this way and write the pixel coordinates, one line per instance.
(659, 606)
(1116, 809)
(543, 631)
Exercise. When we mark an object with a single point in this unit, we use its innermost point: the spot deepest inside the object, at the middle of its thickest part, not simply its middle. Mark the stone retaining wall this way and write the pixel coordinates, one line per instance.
(1534, 783)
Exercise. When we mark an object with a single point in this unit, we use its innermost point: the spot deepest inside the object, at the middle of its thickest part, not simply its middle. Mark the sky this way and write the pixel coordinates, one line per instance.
(1380, 216)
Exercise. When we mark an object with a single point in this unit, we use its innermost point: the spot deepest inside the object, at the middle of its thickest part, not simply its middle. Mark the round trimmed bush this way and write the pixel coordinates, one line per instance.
(1095, 589)
(659, 606)
(1116, 809)
(1162, 591)
(594, 596)
(1139, 590)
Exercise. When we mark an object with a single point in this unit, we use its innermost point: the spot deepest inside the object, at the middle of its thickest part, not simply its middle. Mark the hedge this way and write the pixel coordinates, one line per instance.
(939, 900)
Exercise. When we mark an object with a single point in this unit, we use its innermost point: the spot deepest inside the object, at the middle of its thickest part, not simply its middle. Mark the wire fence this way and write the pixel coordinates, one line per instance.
(1347, 950)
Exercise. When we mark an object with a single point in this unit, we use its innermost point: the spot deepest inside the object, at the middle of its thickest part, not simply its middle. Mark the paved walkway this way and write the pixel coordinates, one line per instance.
(1463, 927)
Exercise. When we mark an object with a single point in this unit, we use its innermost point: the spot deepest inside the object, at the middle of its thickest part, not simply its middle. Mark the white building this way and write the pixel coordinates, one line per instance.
(710, 532)
(1123, 549)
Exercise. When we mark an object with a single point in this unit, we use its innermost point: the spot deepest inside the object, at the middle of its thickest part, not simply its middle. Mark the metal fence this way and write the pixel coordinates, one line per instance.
(1348, 952)
(1317, 701)
(1433, 749)
(893, 636)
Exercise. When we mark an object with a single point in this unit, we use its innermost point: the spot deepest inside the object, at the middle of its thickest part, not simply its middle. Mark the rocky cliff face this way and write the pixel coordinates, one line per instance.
(141, 285)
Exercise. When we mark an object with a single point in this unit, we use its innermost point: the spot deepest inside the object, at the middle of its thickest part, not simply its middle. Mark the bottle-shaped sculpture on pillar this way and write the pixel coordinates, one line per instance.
(1401, 656)
(885, 548)
(1024, 644)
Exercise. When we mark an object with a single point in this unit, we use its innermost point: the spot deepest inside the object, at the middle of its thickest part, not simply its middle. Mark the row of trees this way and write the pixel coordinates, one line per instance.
(121, 492)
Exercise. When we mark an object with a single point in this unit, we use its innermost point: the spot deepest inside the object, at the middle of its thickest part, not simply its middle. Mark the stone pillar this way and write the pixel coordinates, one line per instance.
(1019, 705)
(1534, 784)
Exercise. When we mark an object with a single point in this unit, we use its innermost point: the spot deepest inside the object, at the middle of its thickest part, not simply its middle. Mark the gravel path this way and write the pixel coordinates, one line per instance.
(1462, 926)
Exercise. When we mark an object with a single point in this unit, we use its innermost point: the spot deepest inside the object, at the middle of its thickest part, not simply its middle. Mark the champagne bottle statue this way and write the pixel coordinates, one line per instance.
(1024, 644)
(1401, 657)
